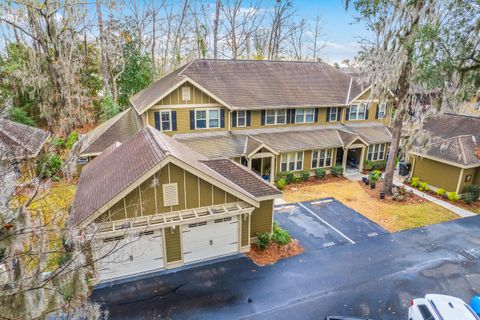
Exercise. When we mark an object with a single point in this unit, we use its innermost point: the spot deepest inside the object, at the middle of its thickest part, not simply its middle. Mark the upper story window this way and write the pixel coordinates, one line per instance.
(333, 115)
(382, 110)
(278, 116)
(163, 120)
(376, 152)
(322, 158)
(358, 112)
(292, 161)
(207, 118)
(241, 118)
(306, 115)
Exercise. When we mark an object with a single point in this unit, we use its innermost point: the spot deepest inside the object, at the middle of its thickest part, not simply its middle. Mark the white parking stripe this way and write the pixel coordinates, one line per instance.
(328, 224)
(321, 201)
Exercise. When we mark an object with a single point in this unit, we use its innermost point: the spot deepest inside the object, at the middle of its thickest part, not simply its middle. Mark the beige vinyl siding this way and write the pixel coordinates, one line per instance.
(244, 231)
(262, 218)
(173, 244)
(436, 174)
(190, 188)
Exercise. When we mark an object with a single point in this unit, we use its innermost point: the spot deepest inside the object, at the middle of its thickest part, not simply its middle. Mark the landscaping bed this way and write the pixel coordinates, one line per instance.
(315, 181)
(410, 197)
(274, 252)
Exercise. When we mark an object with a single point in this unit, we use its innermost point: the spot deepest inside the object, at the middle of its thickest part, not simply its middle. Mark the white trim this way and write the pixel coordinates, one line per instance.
(326, 150)
(305, 115)
(186, 106)
(460, 178)
(177, 85)
(282, 155)
(245, 118)
(209, 93)
(207, 118)
(160, 118)
(275, 117)
(358, 105)
(349, 90)
(358, 96)
(444, 161)
(378, 151)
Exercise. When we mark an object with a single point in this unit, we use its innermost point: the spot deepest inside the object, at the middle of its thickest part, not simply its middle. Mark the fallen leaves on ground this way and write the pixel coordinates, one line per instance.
(274, 252)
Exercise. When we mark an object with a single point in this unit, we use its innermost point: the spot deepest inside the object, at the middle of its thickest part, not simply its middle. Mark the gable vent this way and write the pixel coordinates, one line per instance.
(186, 94)
(170, 194)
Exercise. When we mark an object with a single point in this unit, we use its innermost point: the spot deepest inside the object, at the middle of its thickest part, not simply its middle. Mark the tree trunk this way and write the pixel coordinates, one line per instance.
(215, 29)
(154, 39)
(104, 62)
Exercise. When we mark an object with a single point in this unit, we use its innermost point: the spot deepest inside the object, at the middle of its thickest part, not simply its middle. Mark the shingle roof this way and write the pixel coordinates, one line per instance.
(372, 133)
(251, 84)
(116, 129)
(243, 177)
(122, 165)
(19, 141)
(453, 138)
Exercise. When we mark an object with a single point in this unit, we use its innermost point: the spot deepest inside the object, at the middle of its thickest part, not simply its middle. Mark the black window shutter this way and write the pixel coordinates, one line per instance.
(347, 116)
(376, 111)
(339, 113)
(234, 119)
(315, 117)
(222, 118)
(248, 118)
(174, 120)
(366, 112)
(292, 115)
(328, 114)
(288, 115)
(192, 119)
(157, 120)
(263, 117)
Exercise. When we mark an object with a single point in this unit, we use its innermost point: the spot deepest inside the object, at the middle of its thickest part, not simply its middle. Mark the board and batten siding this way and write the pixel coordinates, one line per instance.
(262, 218)
(197, 96)
(244, 232)
(147, 199)
(437, 174)
(173, 244)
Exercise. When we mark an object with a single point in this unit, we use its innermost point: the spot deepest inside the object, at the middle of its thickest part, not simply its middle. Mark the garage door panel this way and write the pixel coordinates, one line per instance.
(133, 255)
(210, 239)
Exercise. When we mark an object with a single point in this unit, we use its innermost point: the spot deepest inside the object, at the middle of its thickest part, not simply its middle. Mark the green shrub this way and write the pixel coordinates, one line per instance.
(337, 171)
(423, 186)
(305, 175)
(297, 179)
(452, 196)
(263, 239)
(280, 236)
(71, 139)
(441, 192)
(108, 108)
(469, 197)
(48, 166)
(59, 143)
(320, 173)
(289, 177)
(381, 165)
(373, 177)
(415, 182)
(474, 189)
(281, 183)
(368, 165)
(19, 115)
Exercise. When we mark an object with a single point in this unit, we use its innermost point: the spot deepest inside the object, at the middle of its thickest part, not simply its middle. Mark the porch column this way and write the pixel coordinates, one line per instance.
(249, 162)
(272, 170)
(360, 165)
(344, 160)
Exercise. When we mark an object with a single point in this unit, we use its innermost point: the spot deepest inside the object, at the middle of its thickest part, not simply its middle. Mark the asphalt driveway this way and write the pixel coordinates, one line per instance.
(376, 276)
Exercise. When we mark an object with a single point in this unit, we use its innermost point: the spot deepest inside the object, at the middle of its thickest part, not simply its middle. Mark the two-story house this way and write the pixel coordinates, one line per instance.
(189, 168)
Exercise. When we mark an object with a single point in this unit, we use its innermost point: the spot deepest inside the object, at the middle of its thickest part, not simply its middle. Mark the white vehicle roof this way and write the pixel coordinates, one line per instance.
(451, 308)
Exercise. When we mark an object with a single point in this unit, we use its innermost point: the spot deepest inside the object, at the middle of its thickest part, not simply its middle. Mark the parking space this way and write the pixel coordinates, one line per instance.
(325, 223)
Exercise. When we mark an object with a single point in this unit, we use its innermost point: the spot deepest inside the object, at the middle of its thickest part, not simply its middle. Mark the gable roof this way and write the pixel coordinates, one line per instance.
(111, 174)
(116, 129)
(258, 84)
(454, 139)
(19, 141)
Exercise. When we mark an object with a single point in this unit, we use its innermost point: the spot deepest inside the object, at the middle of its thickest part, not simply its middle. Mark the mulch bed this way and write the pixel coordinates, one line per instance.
(460, 203)
(314, 181)
(375, 193)
(274, 252)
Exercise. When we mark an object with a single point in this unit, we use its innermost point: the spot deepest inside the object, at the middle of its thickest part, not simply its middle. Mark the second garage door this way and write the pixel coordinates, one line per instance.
(209, 239)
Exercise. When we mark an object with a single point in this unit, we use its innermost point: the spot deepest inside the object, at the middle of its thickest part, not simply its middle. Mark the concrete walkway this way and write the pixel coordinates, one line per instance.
(460, 211)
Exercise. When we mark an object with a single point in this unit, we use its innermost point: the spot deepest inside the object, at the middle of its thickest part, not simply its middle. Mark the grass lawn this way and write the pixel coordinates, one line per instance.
(391, 216)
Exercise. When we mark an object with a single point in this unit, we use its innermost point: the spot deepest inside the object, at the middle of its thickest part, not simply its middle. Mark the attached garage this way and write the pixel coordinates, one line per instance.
(119, 256)
(209, 239)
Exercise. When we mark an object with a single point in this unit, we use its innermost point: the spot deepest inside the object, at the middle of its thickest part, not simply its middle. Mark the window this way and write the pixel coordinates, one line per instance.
(425, 312)
(275, 117)
(186, 93)
(358, 112)
(376, 152)
(304, 115)
(292, 161)
(333, 114)
(170, 194)
(163, 120)
(241, 118)
(322, 158)
(207, 118)
(382, 109)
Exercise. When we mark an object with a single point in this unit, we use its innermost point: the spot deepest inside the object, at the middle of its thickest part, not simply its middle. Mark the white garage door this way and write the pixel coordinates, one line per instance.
(209, 239)
(125, 256)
